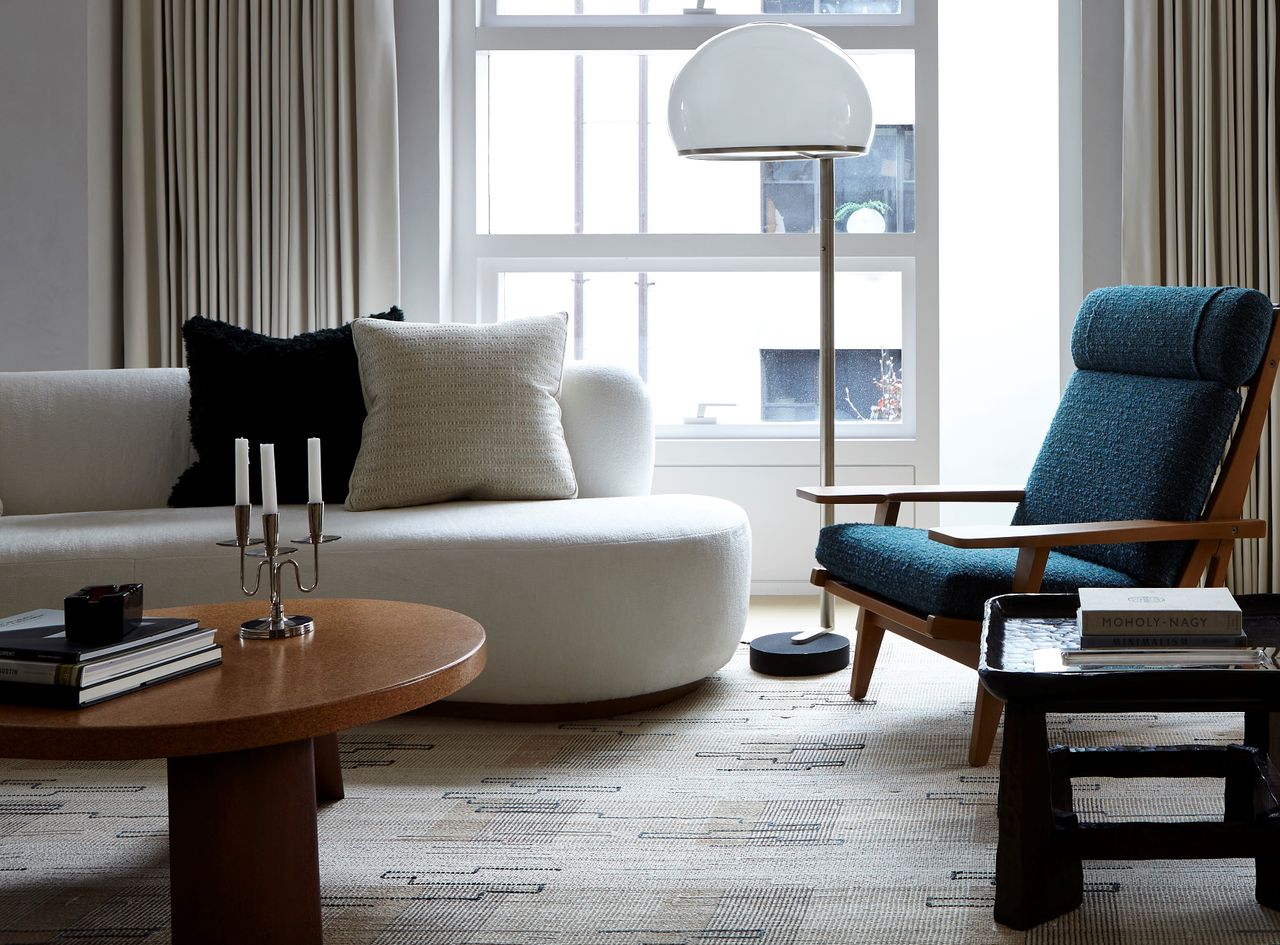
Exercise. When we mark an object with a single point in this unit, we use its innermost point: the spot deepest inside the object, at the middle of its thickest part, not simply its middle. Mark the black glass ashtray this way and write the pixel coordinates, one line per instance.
(102, 613)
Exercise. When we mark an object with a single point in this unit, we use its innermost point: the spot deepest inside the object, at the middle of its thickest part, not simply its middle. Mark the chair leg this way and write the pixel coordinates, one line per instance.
(866, 649)
(986, 718)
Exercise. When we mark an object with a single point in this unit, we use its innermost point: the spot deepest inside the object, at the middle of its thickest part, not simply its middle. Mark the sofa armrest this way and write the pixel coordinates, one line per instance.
(61, 445)
(608, 424)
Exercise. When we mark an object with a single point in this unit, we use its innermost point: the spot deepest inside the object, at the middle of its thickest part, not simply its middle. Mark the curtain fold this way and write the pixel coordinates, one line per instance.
(260, 167)
(1201, 188)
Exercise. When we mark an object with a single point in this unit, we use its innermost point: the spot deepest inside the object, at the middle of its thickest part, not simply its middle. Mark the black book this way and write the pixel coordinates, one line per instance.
(67, 697)
(39, 635)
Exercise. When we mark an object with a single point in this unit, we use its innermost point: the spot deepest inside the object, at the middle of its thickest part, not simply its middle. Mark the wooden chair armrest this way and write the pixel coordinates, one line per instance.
(1095, 533)
(874, 495)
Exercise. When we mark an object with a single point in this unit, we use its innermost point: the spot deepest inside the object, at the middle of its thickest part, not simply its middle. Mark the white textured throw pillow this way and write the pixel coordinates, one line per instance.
(460, 412)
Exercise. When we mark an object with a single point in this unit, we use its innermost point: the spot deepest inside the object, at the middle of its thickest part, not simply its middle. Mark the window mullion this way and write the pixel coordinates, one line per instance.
(692, 245)
(621, 38)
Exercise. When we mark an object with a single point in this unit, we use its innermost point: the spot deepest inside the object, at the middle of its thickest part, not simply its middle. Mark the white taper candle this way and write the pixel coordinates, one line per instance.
(242, 471)
(314, 491)
(267, 452)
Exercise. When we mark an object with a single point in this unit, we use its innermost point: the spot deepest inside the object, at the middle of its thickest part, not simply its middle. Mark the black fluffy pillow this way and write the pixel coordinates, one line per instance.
(270, 390)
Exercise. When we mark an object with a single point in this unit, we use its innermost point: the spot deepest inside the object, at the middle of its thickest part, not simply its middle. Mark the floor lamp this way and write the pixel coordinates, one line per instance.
(777, 92)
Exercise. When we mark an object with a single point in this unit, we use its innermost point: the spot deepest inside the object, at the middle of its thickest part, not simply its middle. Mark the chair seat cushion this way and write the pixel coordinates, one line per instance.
(904, 566)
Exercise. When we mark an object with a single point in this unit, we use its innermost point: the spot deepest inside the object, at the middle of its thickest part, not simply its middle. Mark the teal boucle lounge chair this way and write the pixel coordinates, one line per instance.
(1140, 483)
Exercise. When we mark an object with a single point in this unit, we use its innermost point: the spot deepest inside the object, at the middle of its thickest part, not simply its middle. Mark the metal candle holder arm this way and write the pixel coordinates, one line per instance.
(275, 558)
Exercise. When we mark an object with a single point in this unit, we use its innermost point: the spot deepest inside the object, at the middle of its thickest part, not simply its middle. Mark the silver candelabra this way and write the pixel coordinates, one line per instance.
(275, 558)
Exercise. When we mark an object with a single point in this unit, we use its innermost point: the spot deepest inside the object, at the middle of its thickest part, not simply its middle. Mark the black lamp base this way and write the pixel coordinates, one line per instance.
(775, 655)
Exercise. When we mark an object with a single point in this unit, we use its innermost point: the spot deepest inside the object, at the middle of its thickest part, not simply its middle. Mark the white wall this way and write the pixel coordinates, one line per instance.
(43, 185)
(1016, 286)
(998, 248)
(57, 148)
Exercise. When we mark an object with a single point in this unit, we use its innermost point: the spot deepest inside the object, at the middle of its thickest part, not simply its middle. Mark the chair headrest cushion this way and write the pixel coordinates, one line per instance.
(1198, 333)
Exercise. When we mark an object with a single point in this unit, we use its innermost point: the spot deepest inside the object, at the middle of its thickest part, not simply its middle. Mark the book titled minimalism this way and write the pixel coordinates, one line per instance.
(1159, 612)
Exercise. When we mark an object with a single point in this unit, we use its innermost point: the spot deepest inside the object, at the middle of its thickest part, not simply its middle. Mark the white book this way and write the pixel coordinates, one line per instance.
(1159, 611)
(1057, 661)
(30, 619)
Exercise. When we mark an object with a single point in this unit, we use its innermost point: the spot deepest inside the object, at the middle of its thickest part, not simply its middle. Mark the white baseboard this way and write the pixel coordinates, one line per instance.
(782, 589)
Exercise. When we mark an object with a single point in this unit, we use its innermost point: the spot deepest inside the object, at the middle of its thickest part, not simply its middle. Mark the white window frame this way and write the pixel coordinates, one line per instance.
(477, 258)
(488, 16)
(491, 267)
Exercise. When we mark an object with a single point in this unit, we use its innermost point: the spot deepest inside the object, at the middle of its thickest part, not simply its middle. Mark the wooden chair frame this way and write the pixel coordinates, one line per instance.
(1214, 534)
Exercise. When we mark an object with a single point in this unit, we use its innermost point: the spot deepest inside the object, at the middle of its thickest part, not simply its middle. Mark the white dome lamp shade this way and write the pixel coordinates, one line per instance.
(769, 92)
(777, 92)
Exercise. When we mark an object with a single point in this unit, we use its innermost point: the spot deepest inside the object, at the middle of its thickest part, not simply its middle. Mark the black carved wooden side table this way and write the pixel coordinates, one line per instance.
(1042, 842)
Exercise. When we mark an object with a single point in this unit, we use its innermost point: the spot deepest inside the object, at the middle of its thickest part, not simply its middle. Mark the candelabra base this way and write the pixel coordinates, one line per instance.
(265, 628)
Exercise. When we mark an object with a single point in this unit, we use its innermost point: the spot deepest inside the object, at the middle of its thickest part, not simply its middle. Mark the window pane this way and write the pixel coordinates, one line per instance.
(670, 7)
(578, 143)
(745, 339)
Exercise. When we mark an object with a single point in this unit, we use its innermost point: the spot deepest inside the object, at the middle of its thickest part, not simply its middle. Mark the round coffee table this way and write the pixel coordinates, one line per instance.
(252, 747)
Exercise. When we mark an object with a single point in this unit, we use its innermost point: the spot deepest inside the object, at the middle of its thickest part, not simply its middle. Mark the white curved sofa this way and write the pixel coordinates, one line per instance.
(613, 595)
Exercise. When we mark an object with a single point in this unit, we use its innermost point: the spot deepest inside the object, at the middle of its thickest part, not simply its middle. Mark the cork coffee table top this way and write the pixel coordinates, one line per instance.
(367, 660)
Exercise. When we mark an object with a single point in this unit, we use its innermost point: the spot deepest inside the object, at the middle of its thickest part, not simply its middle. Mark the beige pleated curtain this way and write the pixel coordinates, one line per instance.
(1201, 191)
(260, 181)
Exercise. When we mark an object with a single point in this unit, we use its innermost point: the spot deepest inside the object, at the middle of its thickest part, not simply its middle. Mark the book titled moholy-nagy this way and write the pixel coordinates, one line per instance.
(1159, 612)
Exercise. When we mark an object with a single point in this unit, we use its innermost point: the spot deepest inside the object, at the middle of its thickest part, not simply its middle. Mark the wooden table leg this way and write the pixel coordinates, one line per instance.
(1257, 731)
(1260, 733)
(243, 859)
(328, 769)
(1036, 878)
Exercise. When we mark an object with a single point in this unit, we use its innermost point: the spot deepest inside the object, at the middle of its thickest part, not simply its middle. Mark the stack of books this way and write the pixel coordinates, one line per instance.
(40, 666)
(1187, 625)
(1154, 617)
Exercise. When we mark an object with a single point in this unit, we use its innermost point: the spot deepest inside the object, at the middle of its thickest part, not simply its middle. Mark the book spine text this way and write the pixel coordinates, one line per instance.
(1142, 641)
(1102, 623)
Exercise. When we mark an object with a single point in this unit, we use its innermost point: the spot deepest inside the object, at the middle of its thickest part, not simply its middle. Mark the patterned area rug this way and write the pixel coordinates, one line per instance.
(757, 810)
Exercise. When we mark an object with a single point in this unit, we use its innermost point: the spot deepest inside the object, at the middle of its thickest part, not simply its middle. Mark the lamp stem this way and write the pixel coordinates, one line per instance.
(827, 351)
